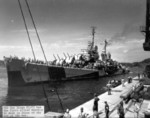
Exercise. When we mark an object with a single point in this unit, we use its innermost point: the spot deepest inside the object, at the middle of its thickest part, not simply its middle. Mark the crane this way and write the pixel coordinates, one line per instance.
(146, 29)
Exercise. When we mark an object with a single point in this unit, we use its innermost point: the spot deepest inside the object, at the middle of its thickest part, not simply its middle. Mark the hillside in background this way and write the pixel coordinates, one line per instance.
(137, 67)
(134, 64)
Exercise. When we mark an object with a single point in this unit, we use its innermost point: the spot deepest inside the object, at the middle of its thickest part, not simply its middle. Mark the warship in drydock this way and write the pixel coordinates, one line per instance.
(82, 66)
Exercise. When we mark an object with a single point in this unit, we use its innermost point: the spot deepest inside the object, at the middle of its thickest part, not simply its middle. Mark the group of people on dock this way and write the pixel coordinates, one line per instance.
(96, 113)
(136, 96)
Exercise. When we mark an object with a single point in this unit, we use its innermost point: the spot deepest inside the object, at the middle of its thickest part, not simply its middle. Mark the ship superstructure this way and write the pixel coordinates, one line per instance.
(87, 64)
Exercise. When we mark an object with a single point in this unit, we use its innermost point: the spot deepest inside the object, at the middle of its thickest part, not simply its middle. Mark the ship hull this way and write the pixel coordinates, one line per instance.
(21, 73)
(37, 73)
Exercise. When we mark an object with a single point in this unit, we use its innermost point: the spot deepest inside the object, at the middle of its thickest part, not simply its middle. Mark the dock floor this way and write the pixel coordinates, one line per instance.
(113, 100)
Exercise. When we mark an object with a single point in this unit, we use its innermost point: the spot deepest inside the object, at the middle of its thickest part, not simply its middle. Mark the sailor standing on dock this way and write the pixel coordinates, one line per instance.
(82, 114)
(95, 106)
(136, 110)
(123, 81)
(67, 115)
(121, 110)
(107, 109)
(109, 87)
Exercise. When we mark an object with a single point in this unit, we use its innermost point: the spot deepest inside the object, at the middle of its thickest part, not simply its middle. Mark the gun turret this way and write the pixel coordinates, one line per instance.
(65, 55)
(54, 57)
(58, 56)
(68, 55)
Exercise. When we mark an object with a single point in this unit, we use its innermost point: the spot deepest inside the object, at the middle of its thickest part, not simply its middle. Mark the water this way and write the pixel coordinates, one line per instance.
(71, 93)
(3, 87)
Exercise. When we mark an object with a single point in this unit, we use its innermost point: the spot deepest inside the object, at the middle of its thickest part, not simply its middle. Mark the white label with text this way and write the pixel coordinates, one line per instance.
(23, 111)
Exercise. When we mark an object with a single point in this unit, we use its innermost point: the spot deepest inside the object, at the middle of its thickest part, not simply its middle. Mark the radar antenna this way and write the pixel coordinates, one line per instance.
(105, 45)
(93, 36)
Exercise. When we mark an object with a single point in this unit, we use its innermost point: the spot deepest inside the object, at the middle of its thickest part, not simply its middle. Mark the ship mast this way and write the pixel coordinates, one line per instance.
(146, 29)
(93, 35)
(105, 46)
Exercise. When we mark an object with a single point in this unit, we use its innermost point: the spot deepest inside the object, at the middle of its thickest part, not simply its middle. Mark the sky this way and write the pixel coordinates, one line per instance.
(64, 26)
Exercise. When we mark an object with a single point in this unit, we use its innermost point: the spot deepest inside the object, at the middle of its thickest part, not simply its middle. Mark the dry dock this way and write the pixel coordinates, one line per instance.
(113, 100)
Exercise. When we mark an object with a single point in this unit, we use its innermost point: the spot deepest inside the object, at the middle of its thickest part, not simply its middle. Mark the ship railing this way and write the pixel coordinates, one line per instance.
(31, 61)
(64, 66)
(38, 62)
